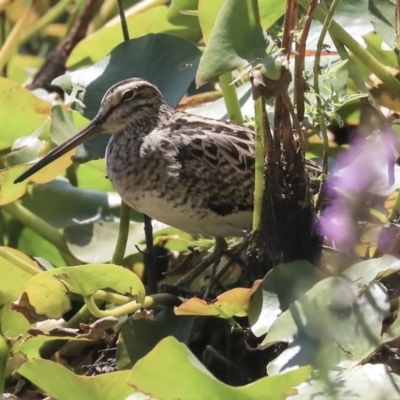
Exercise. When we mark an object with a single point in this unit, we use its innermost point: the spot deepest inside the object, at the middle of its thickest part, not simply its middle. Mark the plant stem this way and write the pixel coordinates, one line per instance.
(123, 233)
(231, 99)
(5, 348)
(317, 67)
(260, 127)
(362, 54)
(124, 26)
(18, 262)
(42, 228)
(353, 71)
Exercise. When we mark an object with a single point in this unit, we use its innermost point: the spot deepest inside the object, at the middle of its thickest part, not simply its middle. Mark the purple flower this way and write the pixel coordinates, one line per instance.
(362, 175)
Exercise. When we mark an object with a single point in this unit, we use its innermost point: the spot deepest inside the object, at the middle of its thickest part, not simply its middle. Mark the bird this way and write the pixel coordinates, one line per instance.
(190, 172)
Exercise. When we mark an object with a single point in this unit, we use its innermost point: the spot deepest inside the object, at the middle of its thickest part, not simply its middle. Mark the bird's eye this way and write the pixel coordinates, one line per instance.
(128, 95)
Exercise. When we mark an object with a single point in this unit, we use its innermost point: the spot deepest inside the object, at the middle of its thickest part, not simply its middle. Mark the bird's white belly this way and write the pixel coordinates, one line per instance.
(186, 218)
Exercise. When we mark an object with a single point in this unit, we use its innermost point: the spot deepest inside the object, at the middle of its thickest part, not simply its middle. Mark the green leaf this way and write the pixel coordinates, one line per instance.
(47, 293)
(95, 242)
(235, 41)
(177, 14)
(383, 19)
(367, 382)
(279, 289)
(140, 336)
(368, 271)
(232, 303)
(154, 20)
(13, 276)
(65, 385)
(330, 325)
(28, 112)
(169, 358)
(78, 205)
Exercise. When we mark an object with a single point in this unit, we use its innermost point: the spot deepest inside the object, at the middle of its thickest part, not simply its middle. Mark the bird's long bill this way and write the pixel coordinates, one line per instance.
(91, 130)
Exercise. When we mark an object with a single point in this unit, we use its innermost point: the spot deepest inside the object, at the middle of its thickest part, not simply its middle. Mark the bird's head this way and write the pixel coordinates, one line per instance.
(131, 103)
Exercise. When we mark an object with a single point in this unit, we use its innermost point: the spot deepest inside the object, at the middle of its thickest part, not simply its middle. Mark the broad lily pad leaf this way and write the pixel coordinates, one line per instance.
(279, 289)
(152, 21)
(172, 357)
(330, 325)
(368, 271)
(235, 41)
(65, 385)
(21, 112)
(140, 57)
(367, 382)
(46, 294)
(232, 303)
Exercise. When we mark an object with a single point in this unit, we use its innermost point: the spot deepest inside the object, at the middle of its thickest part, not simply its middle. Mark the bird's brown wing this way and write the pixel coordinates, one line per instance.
(219, 162)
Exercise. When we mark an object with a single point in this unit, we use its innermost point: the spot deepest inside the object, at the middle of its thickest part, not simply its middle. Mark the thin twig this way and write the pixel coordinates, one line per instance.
(324, 30)
(124, 25)
(299, 61)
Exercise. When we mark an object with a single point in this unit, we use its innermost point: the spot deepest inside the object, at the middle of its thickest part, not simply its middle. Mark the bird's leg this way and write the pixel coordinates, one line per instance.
(213, 259)
(234, 257)
(151, 273)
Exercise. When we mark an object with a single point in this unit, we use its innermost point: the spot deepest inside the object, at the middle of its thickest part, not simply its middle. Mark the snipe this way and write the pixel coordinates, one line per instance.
(190, 172)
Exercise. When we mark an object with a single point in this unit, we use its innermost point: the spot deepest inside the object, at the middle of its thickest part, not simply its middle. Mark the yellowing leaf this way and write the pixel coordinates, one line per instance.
(233, 303)
(9, 191)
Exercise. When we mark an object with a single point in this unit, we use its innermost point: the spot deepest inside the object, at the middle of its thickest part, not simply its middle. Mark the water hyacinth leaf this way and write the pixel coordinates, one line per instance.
(331, 324)
(367, 382)
(141, 335)
(368, 271)
(140, 57)
(270, 11)
(235, 41)
(155, 20)
(208, 13)
(172, 357)
(28, 112)
(64, 384)
(14, 278)
(232, 303)
(279, 289)
(12, 324)
(383, 19)
(46, 294)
